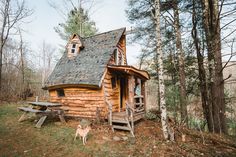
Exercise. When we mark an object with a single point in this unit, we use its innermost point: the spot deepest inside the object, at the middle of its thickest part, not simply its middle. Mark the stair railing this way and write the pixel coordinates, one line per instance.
(130, 115)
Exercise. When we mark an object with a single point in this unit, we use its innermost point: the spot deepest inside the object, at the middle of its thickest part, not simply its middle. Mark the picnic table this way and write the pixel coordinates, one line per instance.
(42, 109)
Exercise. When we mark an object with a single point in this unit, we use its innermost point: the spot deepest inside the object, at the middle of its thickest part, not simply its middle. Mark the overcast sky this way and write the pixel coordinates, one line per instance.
(107, 14)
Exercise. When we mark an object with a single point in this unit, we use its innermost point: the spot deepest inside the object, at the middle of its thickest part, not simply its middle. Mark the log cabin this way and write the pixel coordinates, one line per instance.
(92, 80)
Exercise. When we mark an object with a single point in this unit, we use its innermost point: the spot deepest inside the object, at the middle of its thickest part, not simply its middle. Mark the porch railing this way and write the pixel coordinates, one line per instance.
(130, 115)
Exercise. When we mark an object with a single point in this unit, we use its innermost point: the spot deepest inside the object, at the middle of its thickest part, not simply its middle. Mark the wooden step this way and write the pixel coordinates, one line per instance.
(139, 113)
(138, 103)
(119, 121)
(118, 114)
(121, 127)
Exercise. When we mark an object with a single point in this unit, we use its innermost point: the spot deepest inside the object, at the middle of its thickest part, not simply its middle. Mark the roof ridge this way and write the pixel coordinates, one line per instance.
(104, 33)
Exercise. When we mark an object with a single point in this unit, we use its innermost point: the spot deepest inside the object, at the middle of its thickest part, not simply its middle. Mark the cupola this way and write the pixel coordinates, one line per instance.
(74, 46)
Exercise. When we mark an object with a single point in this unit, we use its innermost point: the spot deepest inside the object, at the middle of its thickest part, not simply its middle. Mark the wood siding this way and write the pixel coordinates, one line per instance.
(84, 102)
(122, 47)
(81, 102)
(112, 94)
(121, 52)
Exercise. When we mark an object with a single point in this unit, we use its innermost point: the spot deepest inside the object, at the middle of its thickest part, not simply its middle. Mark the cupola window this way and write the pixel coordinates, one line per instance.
(73, 48)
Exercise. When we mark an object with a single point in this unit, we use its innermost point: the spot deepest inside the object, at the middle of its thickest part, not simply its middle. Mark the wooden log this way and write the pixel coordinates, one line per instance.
(92, 110)
(87, 106)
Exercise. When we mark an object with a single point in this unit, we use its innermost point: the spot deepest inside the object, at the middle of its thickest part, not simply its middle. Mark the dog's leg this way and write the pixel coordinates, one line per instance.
(76, 134)
(83, 141)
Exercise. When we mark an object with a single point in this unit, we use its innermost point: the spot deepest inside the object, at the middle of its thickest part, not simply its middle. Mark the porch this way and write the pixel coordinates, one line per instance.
(128, 105)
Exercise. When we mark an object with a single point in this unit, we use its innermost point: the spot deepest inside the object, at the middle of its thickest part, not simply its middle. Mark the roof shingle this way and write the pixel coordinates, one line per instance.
(88, 67)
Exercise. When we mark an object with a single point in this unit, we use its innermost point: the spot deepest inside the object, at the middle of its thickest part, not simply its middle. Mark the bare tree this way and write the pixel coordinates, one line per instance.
(22, 63)
(47, 51)
(12, 13)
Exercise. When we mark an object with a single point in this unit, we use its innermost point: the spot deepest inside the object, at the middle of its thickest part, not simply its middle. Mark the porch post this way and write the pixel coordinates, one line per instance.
(144, 94)
(131, 90)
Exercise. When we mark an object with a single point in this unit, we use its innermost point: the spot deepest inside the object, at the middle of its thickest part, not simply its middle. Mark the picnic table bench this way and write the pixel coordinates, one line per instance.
(43, 109)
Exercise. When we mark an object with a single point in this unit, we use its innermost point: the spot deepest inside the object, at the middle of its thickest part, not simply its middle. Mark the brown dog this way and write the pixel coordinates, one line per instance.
(82, 133)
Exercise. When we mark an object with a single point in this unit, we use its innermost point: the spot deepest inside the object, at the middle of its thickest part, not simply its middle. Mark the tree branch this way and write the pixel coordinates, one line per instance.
(229, 57)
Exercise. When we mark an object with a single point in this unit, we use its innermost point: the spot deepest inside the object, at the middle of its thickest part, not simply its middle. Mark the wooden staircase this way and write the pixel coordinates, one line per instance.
(121, 121)
(125, 120)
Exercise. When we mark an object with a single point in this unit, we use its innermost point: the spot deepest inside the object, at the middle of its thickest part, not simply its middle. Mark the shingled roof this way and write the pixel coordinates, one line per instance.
(88, 67)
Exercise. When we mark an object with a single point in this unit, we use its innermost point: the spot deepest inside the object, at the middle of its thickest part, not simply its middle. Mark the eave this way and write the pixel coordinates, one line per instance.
(130, 70)
(71, 86)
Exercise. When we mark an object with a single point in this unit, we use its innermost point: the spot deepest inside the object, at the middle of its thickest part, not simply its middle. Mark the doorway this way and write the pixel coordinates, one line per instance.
(123, 92)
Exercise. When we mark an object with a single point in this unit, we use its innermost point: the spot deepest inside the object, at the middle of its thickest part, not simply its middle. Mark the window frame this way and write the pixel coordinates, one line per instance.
(116, 56)
(73, 48)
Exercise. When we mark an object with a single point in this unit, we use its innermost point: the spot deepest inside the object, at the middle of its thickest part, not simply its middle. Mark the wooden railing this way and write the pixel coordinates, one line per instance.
(138, 103)
(130, 115)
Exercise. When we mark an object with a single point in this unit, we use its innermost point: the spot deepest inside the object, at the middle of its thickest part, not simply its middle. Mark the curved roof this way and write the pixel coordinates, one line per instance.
(88, 67)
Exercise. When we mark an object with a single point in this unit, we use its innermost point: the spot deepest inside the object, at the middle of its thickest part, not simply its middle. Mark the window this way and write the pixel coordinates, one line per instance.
(113, 82)
(116, 56)
(73, 48)
(60, 93)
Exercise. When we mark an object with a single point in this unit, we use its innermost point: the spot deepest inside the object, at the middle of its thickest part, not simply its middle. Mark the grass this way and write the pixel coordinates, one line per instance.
(23, 139)
(55, 140)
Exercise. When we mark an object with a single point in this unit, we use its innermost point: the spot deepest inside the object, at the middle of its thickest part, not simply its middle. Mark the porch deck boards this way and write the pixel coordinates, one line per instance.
(120, 116)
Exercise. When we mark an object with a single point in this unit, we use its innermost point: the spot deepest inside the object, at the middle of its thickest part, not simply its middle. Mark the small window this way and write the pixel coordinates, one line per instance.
(113, 82)
(116, 56)
(73, 48)
(60, 93)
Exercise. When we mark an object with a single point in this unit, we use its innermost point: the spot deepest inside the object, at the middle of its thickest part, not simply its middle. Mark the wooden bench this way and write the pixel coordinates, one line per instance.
(28, 109)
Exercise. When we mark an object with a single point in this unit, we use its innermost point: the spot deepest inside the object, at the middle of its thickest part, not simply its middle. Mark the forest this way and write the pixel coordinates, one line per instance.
(187, 47)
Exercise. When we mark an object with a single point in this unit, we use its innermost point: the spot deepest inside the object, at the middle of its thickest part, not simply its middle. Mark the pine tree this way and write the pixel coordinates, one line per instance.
(77, 22)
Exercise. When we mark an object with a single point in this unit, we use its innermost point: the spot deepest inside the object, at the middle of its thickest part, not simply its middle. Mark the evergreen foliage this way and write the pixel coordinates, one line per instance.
(77, 22)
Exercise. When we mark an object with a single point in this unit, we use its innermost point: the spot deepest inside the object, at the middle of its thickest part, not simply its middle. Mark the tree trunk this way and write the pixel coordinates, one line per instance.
(180, 54)
(10, 17)
(206, 105)
(1, 52)
(164, 120)
(216, 83)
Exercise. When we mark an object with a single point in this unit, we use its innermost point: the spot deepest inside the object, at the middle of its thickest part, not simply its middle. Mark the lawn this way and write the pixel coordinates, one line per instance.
(56, 139)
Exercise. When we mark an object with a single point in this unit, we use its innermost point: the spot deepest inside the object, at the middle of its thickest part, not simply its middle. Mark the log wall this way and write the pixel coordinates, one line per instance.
(122, 46)
(81, 102)
(112, 94)
(121, 51)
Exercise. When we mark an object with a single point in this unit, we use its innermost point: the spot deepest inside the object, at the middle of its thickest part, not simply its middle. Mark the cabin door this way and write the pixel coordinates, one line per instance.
(123, 92)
